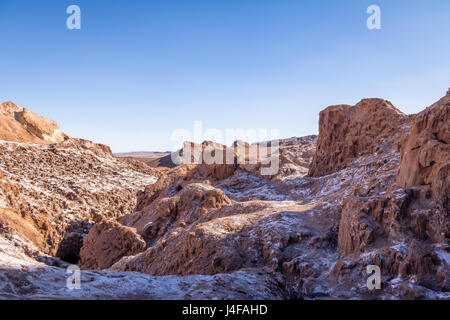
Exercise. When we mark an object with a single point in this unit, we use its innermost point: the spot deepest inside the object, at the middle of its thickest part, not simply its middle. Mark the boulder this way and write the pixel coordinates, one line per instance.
(107, 242)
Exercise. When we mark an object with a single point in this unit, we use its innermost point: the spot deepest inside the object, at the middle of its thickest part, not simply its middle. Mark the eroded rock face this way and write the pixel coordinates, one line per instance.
(21, 125)
(215, 158)
(9, 108)
(346, 132)
(424, 266)
(287, 236)
(188, 205)
(288, 157)
(14, 227)
(425, 153)
(293, 157)
(236, 236)
(44, 129)
(319, 233)
(107, 242)
(58, 186)
(404, 227)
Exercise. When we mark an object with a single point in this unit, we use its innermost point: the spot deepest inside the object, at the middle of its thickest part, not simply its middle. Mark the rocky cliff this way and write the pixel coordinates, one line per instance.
(347, 132)
(376, 194)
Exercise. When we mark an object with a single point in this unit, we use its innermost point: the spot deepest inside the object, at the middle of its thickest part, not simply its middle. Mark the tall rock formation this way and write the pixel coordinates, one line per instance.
(425, 152)
(347, 132)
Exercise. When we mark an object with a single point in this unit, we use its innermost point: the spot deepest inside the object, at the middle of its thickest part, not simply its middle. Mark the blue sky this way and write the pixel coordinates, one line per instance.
(137, 70)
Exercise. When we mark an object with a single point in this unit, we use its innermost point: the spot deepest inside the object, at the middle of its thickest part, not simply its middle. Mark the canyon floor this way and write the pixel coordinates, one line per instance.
(371, 189)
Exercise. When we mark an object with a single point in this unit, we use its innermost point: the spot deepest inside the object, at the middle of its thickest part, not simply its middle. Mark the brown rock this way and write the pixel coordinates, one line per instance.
(422, 265)
(216, 159)
(107, 242)
(425, 152)
(190, 203)
(368, 222)
(318, 234)
(43, 183)
(356, 231)
(346, 132)
(13, 224)
(40, 127)
(21, 125)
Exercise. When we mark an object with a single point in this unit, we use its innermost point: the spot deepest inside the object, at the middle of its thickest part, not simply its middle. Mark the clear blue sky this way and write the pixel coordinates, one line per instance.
(137, 70)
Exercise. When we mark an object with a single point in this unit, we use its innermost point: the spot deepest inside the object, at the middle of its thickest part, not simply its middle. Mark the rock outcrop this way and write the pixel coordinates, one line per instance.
(21, 125)
(293, 157)
(107, 242)
(425, 152)
(228, 231)
(319, 233)
(59, 187)
(191, 202)
(289, 157)
(22, 230)
(392, 222)
(347, 132)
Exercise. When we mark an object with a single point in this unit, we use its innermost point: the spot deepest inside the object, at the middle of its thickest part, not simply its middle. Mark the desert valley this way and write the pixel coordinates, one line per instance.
(372, 188)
